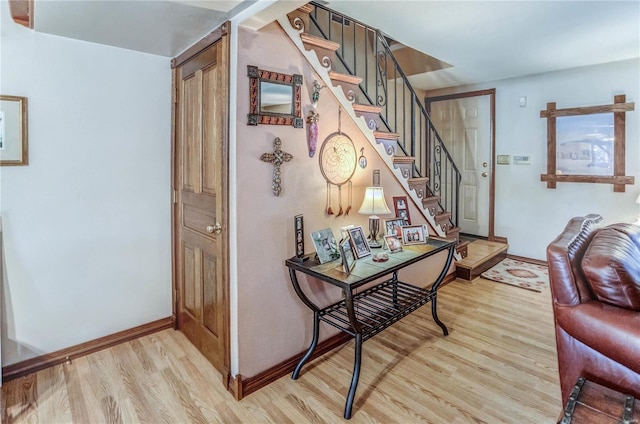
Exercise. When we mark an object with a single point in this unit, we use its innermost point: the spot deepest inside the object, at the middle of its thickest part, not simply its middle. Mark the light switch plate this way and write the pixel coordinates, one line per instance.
(503, 159)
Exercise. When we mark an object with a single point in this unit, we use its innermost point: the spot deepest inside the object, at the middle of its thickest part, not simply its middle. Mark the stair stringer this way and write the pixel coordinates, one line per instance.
(322, 69)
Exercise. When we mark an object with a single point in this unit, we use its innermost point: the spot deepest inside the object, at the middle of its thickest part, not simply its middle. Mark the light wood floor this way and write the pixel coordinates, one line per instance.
(498, 365)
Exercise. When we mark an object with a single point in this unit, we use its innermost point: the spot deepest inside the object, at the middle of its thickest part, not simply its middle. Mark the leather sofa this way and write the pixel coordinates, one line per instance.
(594, 273)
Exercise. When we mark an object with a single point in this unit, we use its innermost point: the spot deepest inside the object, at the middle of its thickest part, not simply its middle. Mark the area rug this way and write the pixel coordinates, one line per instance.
(520, 274)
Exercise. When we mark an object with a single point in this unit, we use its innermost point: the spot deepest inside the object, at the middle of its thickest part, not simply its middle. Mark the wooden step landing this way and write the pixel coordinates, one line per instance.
(481, 255)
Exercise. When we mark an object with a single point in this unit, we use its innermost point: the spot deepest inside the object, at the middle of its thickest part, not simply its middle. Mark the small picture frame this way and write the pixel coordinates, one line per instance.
(344, 234)
(402, 209)
(348, 260)
(414, 234)
(298, 230)
(393, 243)
(392, 227)
(359, 242)
(13, 131)
(326, 246)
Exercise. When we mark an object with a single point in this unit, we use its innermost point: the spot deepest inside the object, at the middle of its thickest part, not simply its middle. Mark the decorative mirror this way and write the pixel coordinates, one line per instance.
(587, 144)
(274, 98)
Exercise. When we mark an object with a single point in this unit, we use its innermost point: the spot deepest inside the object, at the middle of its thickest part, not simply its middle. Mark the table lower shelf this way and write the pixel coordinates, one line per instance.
(378, 307)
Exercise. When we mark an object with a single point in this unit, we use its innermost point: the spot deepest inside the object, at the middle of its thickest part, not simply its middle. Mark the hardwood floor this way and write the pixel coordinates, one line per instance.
(498, 365)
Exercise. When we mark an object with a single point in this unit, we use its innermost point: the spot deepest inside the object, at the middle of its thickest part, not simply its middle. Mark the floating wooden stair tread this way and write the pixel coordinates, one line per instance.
(430, 201)
(417, 181)
(365, 108)
(306, 8)
(405, 165)
(386, 135)
(397, 160)
(453, 233)
(313, 41)
(442, 216)
(349, 79)
(481, 255)
(463, 248)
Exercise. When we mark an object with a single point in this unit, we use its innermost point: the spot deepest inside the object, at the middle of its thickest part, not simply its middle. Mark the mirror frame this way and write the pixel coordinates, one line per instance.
(255, 116)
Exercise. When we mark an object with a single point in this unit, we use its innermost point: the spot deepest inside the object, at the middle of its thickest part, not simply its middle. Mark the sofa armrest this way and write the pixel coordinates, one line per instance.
(564, 254)
(612, 331)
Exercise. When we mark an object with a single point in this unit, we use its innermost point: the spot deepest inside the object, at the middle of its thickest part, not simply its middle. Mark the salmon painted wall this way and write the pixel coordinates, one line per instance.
(273, 324)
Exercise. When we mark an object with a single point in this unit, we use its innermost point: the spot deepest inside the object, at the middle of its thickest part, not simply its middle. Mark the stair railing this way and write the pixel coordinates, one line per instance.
(364, 51)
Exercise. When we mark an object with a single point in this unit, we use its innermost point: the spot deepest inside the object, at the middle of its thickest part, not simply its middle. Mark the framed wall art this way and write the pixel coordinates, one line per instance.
(13, 131)
(274, 98)
(587, 144)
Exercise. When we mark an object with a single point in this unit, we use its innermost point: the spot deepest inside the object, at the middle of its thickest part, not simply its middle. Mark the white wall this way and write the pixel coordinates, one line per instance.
(527, 213)
(86, 224)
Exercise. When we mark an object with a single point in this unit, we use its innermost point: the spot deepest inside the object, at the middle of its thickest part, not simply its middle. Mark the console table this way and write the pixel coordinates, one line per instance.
(365, 314)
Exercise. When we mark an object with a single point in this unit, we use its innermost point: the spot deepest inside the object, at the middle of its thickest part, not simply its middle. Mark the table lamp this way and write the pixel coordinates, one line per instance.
(373, 205)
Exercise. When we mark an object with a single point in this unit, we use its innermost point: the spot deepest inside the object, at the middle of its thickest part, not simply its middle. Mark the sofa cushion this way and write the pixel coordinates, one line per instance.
(611, 265)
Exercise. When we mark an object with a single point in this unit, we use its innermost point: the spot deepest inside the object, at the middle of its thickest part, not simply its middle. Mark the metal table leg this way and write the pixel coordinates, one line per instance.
(434, 292)
(348, 298)
(312, 347)
(357, 360)
(316, 323)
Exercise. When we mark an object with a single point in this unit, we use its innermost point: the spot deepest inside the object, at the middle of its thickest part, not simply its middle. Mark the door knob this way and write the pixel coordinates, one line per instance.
(484, 174)
(214, 228)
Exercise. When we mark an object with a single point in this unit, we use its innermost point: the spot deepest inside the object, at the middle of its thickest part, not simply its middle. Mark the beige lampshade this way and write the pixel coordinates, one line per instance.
(374, 203)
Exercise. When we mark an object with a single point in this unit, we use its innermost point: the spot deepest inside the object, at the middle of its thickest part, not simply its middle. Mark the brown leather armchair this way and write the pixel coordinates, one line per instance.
(594, 274)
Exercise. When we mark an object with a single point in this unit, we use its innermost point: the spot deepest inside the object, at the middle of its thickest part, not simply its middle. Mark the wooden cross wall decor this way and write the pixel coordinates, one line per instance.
(277, 158)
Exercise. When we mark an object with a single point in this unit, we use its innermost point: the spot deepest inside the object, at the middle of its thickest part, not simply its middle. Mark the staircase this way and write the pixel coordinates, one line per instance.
(356, 62)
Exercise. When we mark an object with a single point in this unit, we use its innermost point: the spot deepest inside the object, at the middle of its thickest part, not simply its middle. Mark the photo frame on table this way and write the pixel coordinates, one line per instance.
(13, 131)
(348, 260)
(359, 242)
(414, 234)
(393, 243)
(344, 234)
(401, 207)
(298, 230)
(326, 246)
(392, 227)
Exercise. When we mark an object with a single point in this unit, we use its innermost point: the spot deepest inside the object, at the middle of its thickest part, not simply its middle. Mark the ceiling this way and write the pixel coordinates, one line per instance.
(481, 40)
(492, 40)
(160, 27)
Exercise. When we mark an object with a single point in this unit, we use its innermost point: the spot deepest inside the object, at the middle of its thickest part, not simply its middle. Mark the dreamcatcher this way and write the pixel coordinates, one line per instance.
(338, 164)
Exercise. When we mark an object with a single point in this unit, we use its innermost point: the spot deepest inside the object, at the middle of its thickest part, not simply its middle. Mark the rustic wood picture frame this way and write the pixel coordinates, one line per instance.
(618, 179)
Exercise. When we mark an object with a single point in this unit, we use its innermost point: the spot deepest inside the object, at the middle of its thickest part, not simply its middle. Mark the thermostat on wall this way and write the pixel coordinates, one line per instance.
(522, 160)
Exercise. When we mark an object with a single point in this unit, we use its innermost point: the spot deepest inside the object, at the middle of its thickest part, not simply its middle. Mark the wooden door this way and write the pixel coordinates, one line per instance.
(464, 125)
(200, 190)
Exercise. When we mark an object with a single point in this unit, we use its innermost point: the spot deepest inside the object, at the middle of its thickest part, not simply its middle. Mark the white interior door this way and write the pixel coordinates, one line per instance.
(464, 125)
